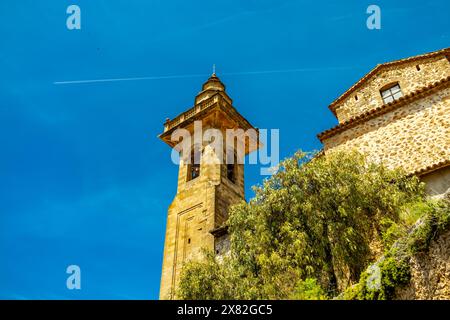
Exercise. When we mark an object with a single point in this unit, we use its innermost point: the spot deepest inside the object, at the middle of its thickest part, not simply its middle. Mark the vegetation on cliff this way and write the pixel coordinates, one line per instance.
(393, 269)
(313, 229)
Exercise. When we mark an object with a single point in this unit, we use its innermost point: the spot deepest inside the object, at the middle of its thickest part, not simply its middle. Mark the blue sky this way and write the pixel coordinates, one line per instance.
(84, 179)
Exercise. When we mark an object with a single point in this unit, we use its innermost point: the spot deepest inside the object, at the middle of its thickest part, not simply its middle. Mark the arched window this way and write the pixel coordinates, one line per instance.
(194, 164)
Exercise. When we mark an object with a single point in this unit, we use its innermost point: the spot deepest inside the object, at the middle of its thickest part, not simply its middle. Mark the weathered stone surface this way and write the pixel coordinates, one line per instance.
(368, 96)
(415, 135)
(430, 273)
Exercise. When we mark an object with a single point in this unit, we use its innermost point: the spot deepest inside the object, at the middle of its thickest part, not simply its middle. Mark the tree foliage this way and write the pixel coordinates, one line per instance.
(308, 231)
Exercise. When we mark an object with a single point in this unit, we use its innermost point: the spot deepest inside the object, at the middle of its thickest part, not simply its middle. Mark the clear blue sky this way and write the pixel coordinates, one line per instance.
(84, 179)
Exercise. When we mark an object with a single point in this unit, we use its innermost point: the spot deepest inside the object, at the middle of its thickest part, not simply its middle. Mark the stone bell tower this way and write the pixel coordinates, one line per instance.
(207, 183)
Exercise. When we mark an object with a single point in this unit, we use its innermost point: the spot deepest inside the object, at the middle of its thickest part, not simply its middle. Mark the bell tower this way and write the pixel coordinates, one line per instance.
(210, 178)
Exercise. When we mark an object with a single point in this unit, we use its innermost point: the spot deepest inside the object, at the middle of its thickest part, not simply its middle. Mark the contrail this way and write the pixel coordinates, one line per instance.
(130, 79)
(201, 75)
(286, 71)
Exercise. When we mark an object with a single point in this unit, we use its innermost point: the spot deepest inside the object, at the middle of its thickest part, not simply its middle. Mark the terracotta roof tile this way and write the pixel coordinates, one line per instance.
(422, 92)
(333, 105)
(431, 168)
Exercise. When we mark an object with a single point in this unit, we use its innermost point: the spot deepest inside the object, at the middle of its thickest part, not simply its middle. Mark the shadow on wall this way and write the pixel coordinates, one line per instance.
(438, 182)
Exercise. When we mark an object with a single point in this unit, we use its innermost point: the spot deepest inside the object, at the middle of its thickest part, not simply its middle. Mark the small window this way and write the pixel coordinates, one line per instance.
(189, 241)
(418, 68)
(231, 168)
(391, 93)
(356, 97)
(194, 165)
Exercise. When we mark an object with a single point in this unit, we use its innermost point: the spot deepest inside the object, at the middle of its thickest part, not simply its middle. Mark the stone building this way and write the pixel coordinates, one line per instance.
(399, 114)
(208, 183)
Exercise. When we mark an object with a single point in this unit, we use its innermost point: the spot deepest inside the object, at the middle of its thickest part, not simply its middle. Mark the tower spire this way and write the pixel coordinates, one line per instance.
(214, 70)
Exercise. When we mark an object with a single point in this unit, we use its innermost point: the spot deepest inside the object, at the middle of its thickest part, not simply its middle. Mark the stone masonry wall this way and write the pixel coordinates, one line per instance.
(430, 273)
(412, 136)
(190, 218)
(199, 206)
(407, 75)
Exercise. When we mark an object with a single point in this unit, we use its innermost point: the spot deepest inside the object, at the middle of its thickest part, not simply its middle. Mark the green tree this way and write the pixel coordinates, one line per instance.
(308, 231)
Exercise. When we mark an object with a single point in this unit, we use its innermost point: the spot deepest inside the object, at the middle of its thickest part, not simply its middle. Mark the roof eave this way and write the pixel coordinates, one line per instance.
(333, 105)
(418, 94)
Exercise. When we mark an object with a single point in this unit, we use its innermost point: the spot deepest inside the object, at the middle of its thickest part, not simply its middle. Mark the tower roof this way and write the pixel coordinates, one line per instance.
(213, 106)
(215, 82)
(212, 86)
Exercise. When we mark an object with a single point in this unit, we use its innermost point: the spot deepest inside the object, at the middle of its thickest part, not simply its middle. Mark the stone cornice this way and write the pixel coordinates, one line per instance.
(432, 168)
(220, 231)
(204, 105)
(413, 96)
